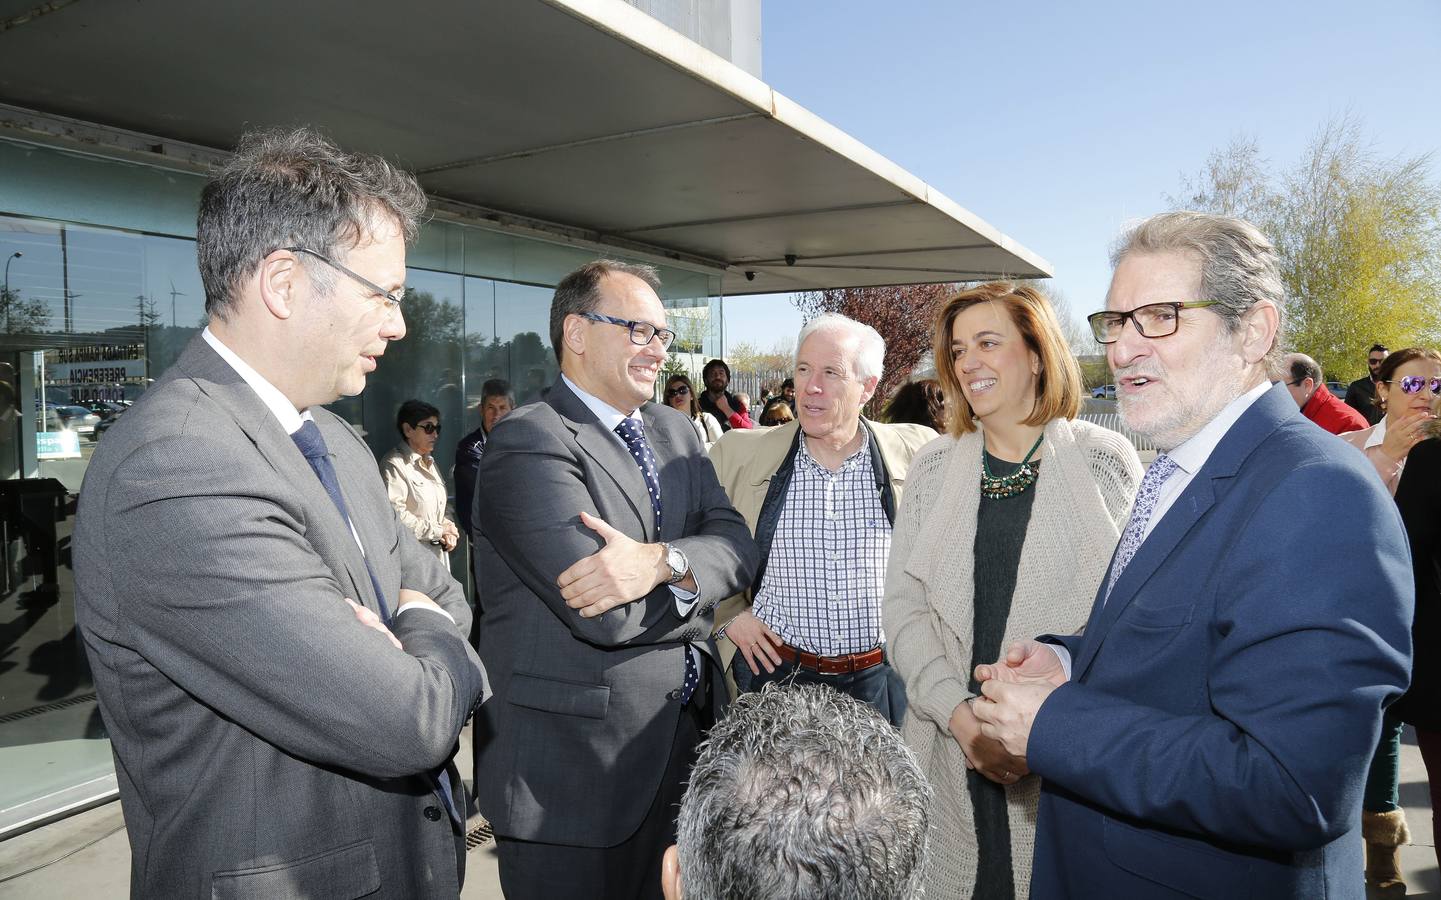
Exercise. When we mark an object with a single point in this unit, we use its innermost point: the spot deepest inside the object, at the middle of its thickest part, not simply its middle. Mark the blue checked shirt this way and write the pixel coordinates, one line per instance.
(827, 567)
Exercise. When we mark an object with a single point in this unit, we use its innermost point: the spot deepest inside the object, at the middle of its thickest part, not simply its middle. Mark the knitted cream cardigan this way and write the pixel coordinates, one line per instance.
(1088, 478)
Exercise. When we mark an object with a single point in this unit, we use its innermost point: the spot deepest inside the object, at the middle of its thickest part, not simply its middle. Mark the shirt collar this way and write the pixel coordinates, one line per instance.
(853, 460)
(284, 411)
(1377, 435)
(1192, 454)
(609, 416)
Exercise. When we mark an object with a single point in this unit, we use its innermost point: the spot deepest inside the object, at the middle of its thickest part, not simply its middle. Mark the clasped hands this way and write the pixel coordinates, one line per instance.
(994, 728)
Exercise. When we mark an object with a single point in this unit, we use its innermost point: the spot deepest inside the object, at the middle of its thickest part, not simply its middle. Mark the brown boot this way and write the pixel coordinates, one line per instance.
(1384, 834)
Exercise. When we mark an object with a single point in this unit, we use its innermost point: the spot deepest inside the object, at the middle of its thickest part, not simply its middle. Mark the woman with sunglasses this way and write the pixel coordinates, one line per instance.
(413, 480)
(680, 395)
(1406, 387)
(1006, 528)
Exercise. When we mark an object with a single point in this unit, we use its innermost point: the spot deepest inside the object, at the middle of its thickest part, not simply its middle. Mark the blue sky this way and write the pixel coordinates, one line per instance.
(1060, 122)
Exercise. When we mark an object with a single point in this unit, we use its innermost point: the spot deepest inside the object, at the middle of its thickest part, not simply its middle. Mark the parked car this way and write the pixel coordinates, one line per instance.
(78, 419)
(1337, 388)
(1104, 392)
(105, 409)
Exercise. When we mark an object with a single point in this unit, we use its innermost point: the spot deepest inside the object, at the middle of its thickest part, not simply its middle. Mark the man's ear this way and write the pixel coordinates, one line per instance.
(670, 873)
(1259, 327)
(869, 388)
(572, 331)
(278, 282)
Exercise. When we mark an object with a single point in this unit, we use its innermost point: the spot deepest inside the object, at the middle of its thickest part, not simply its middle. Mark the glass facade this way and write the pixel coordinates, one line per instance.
(101, 294)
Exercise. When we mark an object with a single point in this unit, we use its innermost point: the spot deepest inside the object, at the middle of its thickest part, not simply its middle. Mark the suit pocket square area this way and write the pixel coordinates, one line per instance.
(553, 695)
(349, 871)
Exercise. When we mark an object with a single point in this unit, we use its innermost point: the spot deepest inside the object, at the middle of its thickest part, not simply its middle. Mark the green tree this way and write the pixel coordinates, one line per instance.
(1359, 238)
(20, 316)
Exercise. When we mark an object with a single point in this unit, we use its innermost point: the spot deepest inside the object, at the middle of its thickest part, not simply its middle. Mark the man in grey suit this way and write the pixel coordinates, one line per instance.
(282, 668)
(603, 542)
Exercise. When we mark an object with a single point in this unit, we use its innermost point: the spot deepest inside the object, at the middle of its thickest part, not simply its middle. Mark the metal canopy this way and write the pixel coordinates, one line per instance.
(584, 117)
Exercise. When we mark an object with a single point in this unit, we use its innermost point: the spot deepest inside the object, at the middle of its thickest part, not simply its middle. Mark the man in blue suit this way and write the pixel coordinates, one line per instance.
(1208, 734)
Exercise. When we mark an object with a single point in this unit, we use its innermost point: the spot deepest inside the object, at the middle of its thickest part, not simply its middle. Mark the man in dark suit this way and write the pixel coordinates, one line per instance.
(1209, 732)
(282, 668)
(603, 542)
(1361, 393)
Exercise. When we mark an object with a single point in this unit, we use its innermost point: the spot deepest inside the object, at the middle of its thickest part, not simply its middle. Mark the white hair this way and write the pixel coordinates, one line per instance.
(870, 346)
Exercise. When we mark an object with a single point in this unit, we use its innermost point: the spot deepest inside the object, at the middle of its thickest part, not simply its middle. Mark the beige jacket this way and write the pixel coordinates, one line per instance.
(745, 460)
(418, 493)
(1088, 478)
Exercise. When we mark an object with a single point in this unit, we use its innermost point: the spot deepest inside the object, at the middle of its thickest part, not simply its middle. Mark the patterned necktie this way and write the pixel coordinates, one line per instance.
(312, 443)
(633, 433)
(1161, 469)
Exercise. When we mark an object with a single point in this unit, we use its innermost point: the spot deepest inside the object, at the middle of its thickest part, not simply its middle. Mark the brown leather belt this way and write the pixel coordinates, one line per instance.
(832, 665)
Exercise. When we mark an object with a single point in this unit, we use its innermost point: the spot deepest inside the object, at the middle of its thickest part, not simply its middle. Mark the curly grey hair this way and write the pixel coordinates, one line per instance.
(801, 793)
(294, 188)
(1239, 265)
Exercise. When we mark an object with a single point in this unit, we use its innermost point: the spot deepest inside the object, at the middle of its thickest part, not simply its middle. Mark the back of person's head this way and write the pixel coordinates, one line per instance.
(777, 412)
(803, 793)
(1299, 367)
(920, 403)
(294, 189)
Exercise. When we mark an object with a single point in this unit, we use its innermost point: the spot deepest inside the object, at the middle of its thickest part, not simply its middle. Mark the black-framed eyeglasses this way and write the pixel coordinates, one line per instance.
(641, 333)
(1412, 384)
(392, 301)
(429, 427)
(1154, 320)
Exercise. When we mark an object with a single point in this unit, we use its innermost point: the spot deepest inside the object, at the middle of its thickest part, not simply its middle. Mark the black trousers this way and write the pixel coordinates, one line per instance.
(628, 871)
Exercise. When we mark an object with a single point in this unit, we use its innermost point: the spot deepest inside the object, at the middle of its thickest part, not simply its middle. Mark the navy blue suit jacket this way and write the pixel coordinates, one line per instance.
(1224, 703)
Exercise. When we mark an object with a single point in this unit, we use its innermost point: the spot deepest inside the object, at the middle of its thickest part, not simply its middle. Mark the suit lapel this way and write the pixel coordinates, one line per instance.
(326, 530)
(1198, 497)
(1263, 417)
(606, 448)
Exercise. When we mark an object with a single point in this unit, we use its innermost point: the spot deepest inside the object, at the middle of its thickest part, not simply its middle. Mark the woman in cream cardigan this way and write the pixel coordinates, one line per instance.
(413, 480)
(1006, 528)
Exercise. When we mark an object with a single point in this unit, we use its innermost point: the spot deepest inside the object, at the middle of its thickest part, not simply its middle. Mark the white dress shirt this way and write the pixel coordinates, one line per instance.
(291, 419)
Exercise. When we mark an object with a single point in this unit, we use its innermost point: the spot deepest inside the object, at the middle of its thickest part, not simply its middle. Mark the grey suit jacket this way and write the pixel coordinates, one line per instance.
(267, 744)
(573, 741)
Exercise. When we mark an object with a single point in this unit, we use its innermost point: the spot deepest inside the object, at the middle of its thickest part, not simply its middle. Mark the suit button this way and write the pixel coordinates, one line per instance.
(673, 695)
(432, 813)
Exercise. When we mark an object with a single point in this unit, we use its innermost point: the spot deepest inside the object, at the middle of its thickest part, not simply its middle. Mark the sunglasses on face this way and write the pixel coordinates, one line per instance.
(429, 427)
(1412, 384)
(679, 390)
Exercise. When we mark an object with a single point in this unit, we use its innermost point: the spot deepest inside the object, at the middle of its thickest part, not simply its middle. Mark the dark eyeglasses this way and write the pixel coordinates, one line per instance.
(677, 391)
(392, 301)
(1154, 320)
(1412, 384)
(429, 427)
(641, 333)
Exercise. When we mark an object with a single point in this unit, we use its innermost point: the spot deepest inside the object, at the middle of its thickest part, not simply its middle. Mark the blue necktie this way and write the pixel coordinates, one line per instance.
(633, 433)
(312, 443)
(1162, 468)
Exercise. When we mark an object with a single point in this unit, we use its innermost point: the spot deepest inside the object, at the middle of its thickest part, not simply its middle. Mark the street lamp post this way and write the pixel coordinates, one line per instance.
(8, 302)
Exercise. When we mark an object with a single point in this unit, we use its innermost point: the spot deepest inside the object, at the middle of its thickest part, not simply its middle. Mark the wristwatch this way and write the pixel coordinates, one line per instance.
(677, 563)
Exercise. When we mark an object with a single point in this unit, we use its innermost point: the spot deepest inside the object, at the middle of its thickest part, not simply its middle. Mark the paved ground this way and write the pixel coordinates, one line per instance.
(87, 855)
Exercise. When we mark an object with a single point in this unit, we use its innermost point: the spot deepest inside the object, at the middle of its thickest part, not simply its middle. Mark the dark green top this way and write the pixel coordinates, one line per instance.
(1000, 532)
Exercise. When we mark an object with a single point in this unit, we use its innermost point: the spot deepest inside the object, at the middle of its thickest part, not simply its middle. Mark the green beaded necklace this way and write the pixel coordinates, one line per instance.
(999, 487)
